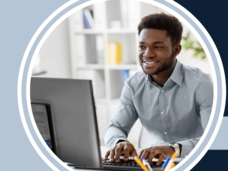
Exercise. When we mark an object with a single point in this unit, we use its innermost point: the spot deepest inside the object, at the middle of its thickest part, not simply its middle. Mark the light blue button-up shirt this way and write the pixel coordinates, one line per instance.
(177, 112)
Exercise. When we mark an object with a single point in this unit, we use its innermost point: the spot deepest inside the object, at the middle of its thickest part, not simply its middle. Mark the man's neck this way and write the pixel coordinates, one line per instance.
(162, 77)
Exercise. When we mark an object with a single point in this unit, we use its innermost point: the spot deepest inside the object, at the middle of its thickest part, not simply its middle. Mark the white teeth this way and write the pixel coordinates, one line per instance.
(149, 62)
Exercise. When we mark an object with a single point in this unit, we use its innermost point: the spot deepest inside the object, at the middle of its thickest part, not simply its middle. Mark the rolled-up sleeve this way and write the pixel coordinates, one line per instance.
(204, 100)
(123, 119)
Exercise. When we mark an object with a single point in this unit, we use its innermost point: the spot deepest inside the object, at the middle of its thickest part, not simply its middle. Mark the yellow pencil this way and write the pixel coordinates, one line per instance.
(173, 164)
(174, 156)
(141, 164)
(169, 165)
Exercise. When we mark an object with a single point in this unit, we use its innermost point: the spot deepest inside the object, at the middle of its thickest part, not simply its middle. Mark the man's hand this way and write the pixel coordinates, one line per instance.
(126, 147)
(159, 152)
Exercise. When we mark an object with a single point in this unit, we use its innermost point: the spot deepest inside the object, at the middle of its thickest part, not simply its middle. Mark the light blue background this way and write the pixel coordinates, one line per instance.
(221, 140)
(19, 22)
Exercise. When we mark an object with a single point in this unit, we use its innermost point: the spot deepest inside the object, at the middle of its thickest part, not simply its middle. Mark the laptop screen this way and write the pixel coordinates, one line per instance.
(73, 118)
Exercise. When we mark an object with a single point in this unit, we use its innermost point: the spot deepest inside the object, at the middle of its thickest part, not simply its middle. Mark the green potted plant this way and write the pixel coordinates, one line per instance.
(188, 43)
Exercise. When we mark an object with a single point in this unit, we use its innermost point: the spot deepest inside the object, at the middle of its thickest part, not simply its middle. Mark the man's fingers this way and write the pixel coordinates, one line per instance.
(160, 160)
(140, 154)
(151, 155)
(106, 155)
(134, 153)
(145, 154)
(118, 152)
(120, 148)
(112, 154)
(126, 153)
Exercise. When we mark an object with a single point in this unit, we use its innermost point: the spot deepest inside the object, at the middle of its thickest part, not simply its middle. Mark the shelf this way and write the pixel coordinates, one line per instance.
(111, 67)
(108, 31)
(121, 31)
(91, 66)
(113, 24)
(122, 67)
(89, 31)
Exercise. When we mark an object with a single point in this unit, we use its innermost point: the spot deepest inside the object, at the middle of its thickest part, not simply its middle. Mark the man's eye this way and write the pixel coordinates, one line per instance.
(141, 47)
(158, 47)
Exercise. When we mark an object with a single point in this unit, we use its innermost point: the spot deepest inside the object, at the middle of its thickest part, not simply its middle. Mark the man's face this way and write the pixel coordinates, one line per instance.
(155, 51)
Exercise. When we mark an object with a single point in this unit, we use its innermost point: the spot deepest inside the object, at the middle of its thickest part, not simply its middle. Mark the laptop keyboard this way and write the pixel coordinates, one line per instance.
(128, 165)
(122, 163)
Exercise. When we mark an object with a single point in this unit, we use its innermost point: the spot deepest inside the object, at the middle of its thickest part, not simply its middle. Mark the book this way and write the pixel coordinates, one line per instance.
(133, 13)
(124, 13)
(129, 13)
(125, 75)
(79, 50)
(99, 15)
(90, 48)
(88, 19)
(99, 49)
(114, 53)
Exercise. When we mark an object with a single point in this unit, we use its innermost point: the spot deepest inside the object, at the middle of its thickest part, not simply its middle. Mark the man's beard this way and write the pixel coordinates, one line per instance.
(164, 67)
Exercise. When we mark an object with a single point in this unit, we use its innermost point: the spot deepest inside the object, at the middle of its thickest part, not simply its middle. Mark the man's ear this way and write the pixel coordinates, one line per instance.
(177, 49)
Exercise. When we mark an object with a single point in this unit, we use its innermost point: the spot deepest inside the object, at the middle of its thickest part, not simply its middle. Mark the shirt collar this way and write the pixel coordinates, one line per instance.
(176, 76)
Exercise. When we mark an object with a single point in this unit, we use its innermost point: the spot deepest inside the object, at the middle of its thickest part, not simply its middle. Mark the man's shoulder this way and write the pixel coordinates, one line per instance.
(136, 80)
(193, 75)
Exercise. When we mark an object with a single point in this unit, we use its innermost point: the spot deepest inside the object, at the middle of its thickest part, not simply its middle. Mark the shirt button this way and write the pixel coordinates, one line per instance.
(161, 112)
(162, 91)
(165, 133)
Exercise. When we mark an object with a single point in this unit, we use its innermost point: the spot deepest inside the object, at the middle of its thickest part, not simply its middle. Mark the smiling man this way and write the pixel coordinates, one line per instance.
(172, 101)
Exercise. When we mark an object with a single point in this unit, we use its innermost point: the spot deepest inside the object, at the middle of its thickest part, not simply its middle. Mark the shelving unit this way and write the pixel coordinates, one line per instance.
(114, 21)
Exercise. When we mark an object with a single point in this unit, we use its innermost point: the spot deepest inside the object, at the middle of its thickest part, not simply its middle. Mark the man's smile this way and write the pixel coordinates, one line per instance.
(148, 62)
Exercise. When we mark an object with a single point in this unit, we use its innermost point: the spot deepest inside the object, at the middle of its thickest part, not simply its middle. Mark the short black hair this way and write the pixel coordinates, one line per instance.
(162, 21)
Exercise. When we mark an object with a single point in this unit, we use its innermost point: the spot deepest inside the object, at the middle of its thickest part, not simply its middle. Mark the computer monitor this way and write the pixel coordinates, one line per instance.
(72, 120)
(43, 118)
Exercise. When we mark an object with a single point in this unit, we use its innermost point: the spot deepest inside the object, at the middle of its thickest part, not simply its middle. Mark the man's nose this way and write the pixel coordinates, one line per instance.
(149, 52)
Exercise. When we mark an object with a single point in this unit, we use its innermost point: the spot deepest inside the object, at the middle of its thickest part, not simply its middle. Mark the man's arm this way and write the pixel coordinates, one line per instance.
(204, 99)
(121, 124)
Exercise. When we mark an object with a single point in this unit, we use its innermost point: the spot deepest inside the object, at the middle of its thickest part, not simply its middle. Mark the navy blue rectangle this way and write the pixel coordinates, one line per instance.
(212, 14)
(213, 160)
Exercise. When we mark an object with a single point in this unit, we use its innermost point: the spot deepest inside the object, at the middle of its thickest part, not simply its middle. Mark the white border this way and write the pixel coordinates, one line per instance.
(90, 3)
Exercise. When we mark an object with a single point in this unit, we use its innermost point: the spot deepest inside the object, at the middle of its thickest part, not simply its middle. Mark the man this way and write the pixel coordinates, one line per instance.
(172, 101)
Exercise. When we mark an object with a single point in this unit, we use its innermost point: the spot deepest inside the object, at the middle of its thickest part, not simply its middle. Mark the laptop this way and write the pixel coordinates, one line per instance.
(64, 111)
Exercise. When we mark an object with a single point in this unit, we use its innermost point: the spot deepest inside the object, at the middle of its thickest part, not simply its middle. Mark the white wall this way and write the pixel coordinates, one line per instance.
(55, 53)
